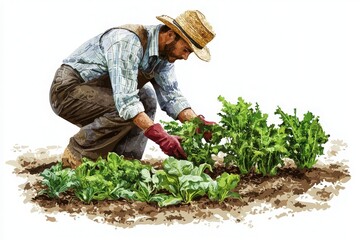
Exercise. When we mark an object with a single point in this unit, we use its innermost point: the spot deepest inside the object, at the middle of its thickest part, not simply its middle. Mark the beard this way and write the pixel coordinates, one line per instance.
(168, 51)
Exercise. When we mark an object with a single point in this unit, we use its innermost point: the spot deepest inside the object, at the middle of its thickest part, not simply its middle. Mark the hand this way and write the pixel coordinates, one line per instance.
(169, 144)
(207, 134)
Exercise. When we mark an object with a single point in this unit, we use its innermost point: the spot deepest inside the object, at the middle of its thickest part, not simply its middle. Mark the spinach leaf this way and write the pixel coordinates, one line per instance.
(57, 180)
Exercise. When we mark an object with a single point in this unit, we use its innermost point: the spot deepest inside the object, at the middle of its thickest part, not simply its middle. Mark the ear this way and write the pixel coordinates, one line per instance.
(170, 36)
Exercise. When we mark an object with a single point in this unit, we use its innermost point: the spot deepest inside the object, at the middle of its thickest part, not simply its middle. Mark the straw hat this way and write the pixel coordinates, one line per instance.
(194, 29)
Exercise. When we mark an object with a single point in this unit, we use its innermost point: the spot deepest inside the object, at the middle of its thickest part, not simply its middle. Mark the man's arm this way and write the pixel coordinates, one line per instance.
(186, 115)
(143, 121)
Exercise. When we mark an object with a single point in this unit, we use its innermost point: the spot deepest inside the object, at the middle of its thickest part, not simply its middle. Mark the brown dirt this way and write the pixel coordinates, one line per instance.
(290, 191)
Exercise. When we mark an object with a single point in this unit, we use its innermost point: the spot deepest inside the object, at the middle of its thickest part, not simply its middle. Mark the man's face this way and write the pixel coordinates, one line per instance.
(176, 50)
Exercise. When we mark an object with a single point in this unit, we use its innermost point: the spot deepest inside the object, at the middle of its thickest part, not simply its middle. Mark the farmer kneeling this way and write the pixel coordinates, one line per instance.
(108, 87)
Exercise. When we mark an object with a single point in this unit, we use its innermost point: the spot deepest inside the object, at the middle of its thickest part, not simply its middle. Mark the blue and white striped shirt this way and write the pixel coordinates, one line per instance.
(120, 54)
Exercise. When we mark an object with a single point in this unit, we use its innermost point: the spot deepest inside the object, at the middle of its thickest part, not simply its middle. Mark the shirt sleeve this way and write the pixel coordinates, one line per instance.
(170, 98)
(123, 53)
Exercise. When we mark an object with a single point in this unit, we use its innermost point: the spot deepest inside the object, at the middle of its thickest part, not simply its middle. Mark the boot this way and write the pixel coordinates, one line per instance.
(69, 160)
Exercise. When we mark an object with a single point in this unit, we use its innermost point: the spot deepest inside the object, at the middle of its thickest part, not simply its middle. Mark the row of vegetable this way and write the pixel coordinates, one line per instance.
(249, 142)
(118, 178)
(244, 137)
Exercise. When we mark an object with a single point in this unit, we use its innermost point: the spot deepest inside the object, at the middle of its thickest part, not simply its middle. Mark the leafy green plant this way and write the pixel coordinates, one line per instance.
(251, 144)
(110, 178)
(115, 178)
(183, 180)
(236, 119)
(242, 134)
(222, 187)
(120, 191)
(120, 170)
(146, 190)
(93, 187)
(57, 180)
(271, 143)
(305, 138)
(197, 149)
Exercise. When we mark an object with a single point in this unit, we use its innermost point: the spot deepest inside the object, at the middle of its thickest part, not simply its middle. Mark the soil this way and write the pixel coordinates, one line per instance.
(292, 190)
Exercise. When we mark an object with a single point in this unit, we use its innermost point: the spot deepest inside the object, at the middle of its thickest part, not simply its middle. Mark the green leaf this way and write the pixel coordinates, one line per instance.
(177, 167)
(57, 180)
(165, 200)
(222, 188)
(305, 137)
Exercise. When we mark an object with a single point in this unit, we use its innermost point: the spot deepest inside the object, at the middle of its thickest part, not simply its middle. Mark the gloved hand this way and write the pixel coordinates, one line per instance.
(169, 144)
(207, 134)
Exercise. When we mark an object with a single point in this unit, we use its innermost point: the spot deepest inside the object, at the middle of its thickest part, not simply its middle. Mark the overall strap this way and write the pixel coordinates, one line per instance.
(139, 31)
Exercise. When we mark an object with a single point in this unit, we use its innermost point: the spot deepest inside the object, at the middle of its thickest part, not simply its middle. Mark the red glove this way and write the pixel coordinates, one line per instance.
(169, 144)
(207, 134)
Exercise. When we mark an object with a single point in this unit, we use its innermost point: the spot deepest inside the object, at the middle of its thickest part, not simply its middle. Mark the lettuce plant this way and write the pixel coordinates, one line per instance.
(180, 181)
(251, 144)
(305, 138)
(110, 178)
(183, 180)
(222, 187)
(57, 180)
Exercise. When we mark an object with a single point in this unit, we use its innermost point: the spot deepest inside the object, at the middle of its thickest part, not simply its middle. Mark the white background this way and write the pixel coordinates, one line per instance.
(293, 54)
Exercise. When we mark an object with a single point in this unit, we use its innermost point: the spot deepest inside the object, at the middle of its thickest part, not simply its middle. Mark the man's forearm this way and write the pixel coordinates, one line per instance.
(143, 121)
(186, 115)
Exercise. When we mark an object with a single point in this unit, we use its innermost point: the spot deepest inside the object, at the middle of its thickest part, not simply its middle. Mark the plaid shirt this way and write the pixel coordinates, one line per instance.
(120, 54)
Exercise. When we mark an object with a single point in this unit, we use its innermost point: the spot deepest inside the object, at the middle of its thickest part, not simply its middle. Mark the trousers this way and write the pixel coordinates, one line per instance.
(90, 106)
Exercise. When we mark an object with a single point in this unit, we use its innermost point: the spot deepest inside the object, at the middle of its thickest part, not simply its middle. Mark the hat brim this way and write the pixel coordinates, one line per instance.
(203, 54)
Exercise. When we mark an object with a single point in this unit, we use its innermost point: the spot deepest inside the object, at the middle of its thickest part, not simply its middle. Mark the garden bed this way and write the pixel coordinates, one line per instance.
(290, 191)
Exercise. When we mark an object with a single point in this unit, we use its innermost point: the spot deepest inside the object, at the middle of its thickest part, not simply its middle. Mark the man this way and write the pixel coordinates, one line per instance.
(109, 86)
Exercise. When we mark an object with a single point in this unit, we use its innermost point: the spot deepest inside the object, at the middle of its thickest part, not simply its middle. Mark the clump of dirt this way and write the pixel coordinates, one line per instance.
(291, 190)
